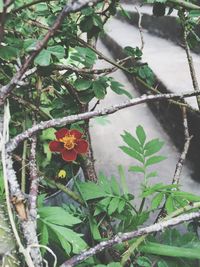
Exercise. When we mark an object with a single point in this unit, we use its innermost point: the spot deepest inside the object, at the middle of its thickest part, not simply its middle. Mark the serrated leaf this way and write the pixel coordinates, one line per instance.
(44, 58)
(113, 205)
(132, 142)
(152, 174)
(152, 147)
(156, 201)
(102, 205)
(104, 182)
(82, 84)
(189, 196)
(154, 160)
(58, 215)
(90, 190)
(78, 244)
(115, 186)
(123, 180)
(94, 228)
(121, 205)
(141, 134)
(136, 169)
(132, 153)
(169, 205)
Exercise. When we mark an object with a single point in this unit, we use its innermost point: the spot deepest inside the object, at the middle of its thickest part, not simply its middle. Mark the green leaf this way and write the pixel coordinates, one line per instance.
(162, 263)
(78, 244)
(90, 190)
(57, 51)
(44, 58)
(154, 160)
(121, 205)
(157, 200)
(58, 215)
(132, 153)
(141, 134)
(189, 196)
(48, 134)
(113, 205)
(8, 52)
(118, 89)
(115, 186)
(104, 183)
(82, 84)
(103, 120)
(44, 237)
(132, 142)
(152, 147)
(102, 205)
(99, 88)
(1, 6)
(152, 174)
(94, 228)
(144, 261)
(136, 169)
(169, 205)
(123, 180)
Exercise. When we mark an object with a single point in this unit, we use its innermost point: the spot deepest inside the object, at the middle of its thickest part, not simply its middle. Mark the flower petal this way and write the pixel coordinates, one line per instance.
(61, 133)
(69, 155)
(55, 146)
(76, 133)
(81, 146)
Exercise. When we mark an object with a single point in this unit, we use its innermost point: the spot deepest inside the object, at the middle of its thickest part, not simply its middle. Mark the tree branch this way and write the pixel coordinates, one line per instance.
(91, 114)
(119, 238)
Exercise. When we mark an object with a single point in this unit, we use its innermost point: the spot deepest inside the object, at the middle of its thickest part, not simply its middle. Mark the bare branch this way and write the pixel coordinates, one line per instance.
(191, 65)
(8, 174)
(91, 114)
(119, 238)
(140, 28)
(179, 165)
(71, 7)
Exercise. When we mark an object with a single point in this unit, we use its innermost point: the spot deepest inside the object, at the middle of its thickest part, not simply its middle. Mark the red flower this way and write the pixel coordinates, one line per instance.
(69, 144)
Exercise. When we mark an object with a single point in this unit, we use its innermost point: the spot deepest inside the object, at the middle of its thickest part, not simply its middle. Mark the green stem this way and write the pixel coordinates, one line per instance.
(184, 4)
(63, 188)
(170, 251)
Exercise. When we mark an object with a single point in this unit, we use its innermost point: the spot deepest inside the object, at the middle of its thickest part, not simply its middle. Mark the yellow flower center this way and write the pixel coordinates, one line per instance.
(62, 174)
(69, 141)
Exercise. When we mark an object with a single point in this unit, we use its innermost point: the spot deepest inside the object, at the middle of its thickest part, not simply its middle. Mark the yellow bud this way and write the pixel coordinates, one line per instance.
(62, 174)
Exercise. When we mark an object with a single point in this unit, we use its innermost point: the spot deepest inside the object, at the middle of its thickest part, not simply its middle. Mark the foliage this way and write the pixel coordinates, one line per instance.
(62, 80)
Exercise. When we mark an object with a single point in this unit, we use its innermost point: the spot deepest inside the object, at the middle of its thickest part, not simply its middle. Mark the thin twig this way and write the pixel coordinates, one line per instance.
(88, 115)
(191, 65)
(119, 238)
(140, 28)
(179, 165)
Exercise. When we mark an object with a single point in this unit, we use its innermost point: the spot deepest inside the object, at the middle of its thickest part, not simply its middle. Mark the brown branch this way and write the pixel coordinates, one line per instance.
(140, 28)
(29, 226)
(119, 238)
(88, 115)
(73, 6)
(191, 66)
(179, 165)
